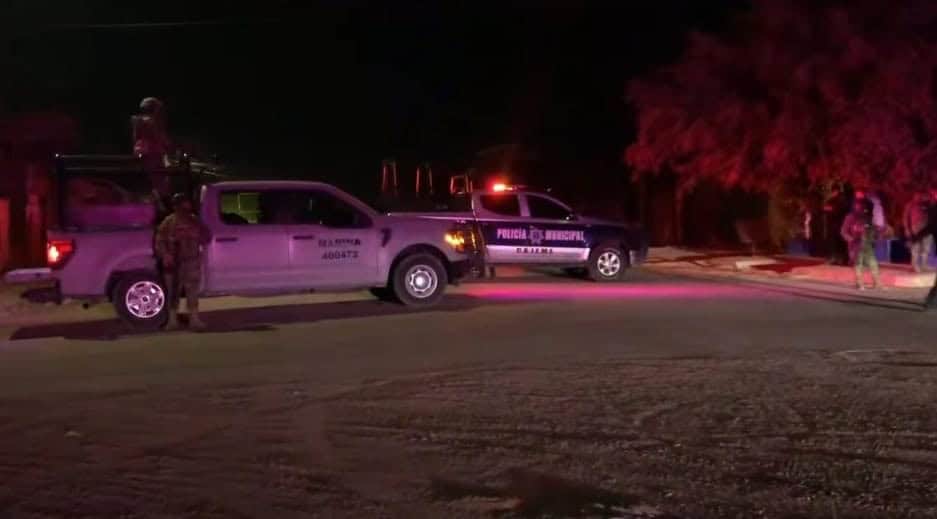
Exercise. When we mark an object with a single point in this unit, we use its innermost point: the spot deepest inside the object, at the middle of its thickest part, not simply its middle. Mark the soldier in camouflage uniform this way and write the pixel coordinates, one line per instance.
(179, 241)
(860, 232)
(152, 144)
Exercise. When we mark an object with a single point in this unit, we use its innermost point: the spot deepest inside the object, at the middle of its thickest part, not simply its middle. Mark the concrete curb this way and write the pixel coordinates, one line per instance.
(897, 276)
(908, 298)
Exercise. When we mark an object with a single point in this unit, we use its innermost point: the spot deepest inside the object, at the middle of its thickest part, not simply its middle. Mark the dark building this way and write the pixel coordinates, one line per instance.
(28, 145)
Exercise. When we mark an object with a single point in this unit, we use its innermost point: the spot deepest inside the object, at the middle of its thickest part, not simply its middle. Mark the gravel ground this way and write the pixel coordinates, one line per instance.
(654, 398)
(849, 434)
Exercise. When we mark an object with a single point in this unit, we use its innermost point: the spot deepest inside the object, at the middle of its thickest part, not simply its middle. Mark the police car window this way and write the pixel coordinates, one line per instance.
(321, 208)
(545, 208)
(501, 204)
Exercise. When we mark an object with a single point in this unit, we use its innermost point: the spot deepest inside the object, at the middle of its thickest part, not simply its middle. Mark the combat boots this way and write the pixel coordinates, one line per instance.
(173, 322)
(195, 322)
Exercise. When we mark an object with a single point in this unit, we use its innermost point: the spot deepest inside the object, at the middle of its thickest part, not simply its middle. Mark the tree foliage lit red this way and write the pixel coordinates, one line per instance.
(798, 93)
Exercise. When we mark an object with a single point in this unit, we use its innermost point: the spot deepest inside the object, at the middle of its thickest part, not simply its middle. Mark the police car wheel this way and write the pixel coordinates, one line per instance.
(419, 280)
(141, 301)
(607, 263)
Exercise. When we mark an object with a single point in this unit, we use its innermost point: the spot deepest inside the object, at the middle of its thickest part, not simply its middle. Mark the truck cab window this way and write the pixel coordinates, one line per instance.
(546, 209)
(242, 208)
(321, 208)
(501, 204)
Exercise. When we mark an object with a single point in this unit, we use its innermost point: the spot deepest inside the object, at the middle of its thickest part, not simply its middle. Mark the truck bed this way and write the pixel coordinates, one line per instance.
(119, 249)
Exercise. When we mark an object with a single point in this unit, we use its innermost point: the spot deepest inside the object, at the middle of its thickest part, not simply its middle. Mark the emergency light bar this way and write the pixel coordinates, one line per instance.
(500, 187)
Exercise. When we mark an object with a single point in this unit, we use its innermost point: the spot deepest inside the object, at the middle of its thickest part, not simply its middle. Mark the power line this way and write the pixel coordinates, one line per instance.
(161, 25)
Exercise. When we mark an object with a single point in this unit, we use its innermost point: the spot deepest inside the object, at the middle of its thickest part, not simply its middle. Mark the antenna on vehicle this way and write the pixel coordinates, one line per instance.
(389, 176)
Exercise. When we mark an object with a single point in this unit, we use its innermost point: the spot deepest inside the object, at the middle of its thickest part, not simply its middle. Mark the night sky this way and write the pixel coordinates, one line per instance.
(328, 91)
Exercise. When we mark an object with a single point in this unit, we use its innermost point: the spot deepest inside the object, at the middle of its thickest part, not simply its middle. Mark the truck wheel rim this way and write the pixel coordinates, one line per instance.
(145, 299)
(421, 281)
(609, 264)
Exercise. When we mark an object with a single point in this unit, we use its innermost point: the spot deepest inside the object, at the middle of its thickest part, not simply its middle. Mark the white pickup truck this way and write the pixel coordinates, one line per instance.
(267, 237)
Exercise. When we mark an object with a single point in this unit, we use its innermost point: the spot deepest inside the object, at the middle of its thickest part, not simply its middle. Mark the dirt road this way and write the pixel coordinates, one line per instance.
(660, 397)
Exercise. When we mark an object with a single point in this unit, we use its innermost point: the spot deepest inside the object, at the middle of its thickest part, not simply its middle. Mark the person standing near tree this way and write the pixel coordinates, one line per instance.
(915, 220)
(860, 233)
(878, 210)
(930, 231)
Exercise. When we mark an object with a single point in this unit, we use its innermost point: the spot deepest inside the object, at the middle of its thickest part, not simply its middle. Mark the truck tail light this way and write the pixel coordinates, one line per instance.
(58, 252)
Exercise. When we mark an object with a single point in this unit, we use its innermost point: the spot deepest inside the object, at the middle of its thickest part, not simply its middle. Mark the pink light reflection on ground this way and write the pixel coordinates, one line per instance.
(585, 291)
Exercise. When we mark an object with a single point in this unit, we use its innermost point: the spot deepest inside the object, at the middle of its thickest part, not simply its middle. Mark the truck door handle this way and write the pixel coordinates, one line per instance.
(226, 239)
(304, 237)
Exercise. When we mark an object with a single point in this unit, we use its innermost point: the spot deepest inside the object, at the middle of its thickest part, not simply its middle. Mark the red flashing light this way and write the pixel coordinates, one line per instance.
(500, 187)
(58, 252)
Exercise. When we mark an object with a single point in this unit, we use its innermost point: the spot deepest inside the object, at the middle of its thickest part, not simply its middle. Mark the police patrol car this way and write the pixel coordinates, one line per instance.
(522, 227)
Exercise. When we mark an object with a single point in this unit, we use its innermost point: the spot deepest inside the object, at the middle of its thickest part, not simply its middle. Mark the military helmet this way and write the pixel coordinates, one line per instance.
(150, 105)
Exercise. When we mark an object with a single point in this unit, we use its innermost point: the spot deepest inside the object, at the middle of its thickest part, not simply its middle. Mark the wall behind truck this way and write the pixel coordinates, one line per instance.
(28, 144)
(22, 181)
(13, 191)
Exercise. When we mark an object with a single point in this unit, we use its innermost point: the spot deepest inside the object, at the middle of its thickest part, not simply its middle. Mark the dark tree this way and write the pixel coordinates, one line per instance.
(798, 95)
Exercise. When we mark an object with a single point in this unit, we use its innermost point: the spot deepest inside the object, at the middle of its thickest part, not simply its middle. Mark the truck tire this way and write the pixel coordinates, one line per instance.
(141, 300)
(607, 262)
(419, 280)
